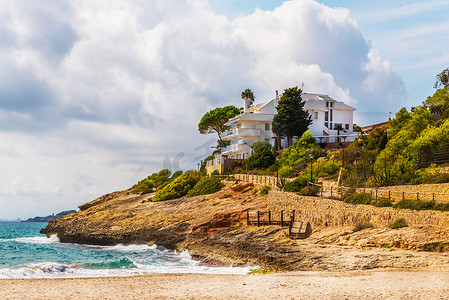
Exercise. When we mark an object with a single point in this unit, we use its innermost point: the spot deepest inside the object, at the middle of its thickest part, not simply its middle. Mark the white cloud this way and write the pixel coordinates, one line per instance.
(30, 187)
(119, 86)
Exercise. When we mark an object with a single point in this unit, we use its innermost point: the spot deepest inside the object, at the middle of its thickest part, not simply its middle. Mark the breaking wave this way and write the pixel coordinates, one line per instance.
(35, 256)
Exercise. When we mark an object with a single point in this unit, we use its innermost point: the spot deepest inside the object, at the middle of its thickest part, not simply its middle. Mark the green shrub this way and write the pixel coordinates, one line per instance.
(262, 158)
(153, 181)
(296, 185)
(206, 185)
(309, 191)
(224, 196)
(286, 171)
(358, 198)
(423, 205)
(441, 206)
(399, 223)
(144, 186)
(426, 175)
(307, 139)
(299, 152)
(383, 203)
(440, 178)
(215, 172)
(265, 190)
(178, 187)
(330, 154)
(326, 168)
(176, 175)
(405, 204)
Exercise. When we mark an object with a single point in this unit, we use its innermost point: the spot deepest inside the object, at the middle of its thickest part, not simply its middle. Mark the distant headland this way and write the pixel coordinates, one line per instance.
(50, 217)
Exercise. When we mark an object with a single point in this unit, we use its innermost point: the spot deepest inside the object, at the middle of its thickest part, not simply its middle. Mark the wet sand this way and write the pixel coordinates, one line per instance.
(381, 284)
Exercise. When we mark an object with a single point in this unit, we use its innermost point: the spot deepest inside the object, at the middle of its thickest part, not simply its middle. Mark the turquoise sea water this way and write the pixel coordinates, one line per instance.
(25, 253)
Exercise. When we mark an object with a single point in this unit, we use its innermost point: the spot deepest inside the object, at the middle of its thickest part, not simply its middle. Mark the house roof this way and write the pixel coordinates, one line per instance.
(321, 98)
(252, 117)
(262, 105)
(371, 127)
(341, 106)
(314, 105)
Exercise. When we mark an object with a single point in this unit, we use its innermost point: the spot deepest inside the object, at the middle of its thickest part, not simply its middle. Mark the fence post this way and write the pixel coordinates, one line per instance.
(433, 197)
(269, 217)
(331, 191)
(258, 218)
(247, 218)
(403, 195)
(417, 196)
(376, 195)
(293, 216)
(282, 218)
(389, 195)
(290, 225)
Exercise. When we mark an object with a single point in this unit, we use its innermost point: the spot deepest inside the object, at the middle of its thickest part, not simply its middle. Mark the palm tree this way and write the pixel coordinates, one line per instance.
(248, 94)
(338, 128)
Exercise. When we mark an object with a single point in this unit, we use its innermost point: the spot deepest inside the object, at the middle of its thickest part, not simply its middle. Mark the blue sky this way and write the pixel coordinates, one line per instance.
(96, 95)
(411, 35)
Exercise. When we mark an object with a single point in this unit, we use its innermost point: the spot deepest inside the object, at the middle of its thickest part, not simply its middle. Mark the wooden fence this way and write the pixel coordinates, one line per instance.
(261, 218)
(395, 196)
(296, 229)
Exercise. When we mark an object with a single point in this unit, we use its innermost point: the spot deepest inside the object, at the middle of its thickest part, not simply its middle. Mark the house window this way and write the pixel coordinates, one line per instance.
(315, 115)
(326, 124)
(267, 126)
(327, 104)
(332, 104)
(331, 114)
(326, 116)
(347, 126)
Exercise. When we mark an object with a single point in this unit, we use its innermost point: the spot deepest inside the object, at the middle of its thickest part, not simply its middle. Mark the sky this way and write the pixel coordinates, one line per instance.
(96, 95)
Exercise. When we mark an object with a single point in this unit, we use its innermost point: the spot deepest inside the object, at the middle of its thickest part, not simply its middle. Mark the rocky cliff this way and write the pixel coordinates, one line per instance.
(213, 228)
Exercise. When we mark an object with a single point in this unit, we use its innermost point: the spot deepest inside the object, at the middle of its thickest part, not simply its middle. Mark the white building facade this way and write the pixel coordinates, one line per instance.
(255, 124)
(328, 115)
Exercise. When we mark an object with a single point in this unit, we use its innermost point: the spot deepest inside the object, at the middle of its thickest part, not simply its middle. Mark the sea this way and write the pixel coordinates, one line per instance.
(25, 253)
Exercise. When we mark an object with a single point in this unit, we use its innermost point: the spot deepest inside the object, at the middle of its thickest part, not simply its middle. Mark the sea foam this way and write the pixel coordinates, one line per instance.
(78, 260)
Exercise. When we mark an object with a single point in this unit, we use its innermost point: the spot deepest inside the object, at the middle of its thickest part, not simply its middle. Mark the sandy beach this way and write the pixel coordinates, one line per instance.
(294, 285)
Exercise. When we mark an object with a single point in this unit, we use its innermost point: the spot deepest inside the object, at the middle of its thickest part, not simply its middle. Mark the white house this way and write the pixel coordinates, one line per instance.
(327, 116)
(254, 124)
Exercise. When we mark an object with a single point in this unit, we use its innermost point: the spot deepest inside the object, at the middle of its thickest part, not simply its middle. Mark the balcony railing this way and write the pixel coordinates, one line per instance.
(235, 148)
(241, 132)
(247, 132)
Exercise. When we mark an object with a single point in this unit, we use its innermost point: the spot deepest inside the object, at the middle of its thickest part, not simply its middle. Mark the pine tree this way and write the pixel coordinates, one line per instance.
(291, 118)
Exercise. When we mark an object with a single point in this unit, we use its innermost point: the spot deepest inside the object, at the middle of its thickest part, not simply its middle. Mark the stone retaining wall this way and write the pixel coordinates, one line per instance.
(425, 192)
(258, 179)
(327, 212)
